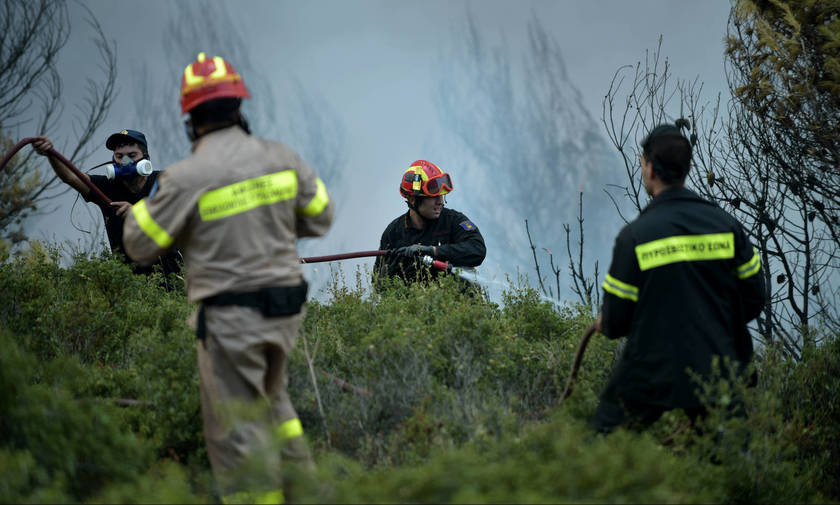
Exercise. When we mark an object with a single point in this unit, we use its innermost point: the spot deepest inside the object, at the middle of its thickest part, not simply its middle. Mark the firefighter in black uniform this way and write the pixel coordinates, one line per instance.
(683, 284)
(427, 229)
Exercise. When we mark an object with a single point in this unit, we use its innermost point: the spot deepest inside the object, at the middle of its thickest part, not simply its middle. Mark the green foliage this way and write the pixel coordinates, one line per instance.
(77, 341)
(744, 436)
(785, 78)
(436, 365)
(50, 438)
(790, 50)
(810, 400)
(425, 393)
(557, 462)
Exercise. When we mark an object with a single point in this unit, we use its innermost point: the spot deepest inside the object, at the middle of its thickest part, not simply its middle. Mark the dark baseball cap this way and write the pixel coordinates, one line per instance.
(126, 136)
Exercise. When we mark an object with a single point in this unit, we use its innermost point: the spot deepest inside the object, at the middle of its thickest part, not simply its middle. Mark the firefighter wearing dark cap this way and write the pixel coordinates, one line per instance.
(427, 228)
(236, 207)
(129, 176)
(683, 284)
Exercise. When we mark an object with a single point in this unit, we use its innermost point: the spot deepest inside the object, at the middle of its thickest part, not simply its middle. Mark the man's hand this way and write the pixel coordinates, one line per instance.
(121, 208)
(599, 323)
(42, 145)
(412, 251)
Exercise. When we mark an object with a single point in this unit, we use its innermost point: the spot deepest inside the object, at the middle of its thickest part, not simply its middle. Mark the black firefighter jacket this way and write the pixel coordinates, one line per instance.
(683, 284)
(456, 238)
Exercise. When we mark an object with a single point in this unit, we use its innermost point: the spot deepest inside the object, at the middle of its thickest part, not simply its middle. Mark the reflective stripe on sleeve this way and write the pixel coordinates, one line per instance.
(289, 429)
(712, 246)
(248, 194)
(751, 267)
(620, 289)
(150, 226)
(319, 201)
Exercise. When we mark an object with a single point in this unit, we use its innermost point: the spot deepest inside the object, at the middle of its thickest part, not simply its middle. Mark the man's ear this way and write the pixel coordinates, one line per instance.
(648, 167)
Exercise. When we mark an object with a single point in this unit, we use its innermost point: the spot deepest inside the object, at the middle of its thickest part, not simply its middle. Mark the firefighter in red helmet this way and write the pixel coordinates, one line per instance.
(236, 208)
(428, 228)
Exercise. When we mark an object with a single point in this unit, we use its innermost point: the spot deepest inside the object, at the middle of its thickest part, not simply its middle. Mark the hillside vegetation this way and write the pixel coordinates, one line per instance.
(419, 394)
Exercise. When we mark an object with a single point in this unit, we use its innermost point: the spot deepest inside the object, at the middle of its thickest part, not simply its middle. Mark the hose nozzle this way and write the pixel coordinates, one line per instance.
(436, 264)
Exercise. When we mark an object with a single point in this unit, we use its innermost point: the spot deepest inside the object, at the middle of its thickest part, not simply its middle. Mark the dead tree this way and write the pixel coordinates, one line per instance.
(32, 35)
(742, 165)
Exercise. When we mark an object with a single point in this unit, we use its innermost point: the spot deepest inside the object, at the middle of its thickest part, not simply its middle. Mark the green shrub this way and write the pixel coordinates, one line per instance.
(560, 461)
(807, 395)
(120, 337)
(48, 435)
(435, 364)
(424, 393)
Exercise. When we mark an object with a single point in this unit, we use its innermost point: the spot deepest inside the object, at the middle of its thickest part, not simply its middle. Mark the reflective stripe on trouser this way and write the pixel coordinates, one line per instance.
(244, 362)
(259, 498)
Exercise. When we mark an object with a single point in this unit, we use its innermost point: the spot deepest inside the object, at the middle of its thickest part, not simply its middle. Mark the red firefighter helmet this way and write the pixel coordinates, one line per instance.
(424, 178)
(207, 79)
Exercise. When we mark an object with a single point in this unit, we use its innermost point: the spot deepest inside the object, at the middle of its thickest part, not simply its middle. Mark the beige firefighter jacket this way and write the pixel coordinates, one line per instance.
(235, 208)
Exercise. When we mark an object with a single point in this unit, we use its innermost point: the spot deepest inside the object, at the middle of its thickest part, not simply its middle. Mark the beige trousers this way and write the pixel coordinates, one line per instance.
(250, 425)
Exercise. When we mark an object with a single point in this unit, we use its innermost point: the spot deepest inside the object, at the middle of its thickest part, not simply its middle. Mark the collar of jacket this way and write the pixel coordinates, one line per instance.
(427, 222)
(672, 193)
(209, 136)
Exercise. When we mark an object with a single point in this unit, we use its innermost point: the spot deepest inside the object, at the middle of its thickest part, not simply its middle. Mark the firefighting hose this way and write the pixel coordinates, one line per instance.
(345, 256)
(99, 195)
(570, 382)
(439, 265)
(584, 341)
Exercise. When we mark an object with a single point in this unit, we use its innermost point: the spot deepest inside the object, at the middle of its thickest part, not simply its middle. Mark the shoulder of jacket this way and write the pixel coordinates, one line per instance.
(275, 146)
(627, 231)
(185, 174)
(712, 207)
(396, 223)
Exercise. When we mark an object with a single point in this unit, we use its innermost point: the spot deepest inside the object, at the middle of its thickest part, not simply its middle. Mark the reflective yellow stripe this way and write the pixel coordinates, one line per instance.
(669, 250)
(751, 267)
(220, 69)
(289, 429)
(319, 201)
(620, 289)
(190, 78)
(149, 226)
(269, 497)
(248, 194)
(219, 74)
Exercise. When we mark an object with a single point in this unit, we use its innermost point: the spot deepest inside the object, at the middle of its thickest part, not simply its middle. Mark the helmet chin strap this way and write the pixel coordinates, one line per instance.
(416, 209)
(414, 206)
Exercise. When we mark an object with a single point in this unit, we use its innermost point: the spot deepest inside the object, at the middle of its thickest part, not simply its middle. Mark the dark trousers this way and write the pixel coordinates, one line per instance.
(612, 414)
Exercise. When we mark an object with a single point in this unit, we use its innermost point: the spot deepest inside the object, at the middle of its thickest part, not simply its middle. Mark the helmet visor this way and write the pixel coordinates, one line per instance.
(435, 186)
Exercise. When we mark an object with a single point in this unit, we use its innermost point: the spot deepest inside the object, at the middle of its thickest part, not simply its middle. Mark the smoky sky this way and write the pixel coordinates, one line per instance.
(378, 64)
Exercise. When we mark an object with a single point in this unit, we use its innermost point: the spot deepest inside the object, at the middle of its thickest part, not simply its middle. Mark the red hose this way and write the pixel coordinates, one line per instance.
(345, 256)
(436, 264)
(570, 382)
(52, 152)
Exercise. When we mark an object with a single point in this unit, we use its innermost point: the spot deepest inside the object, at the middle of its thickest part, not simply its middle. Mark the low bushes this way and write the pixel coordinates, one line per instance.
(423, 393)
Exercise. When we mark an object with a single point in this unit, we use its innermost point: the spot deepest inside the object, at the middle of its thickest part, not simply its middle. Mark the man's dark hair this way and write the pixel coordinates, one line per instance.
(218, 111)
(669, 151)
(143, 148)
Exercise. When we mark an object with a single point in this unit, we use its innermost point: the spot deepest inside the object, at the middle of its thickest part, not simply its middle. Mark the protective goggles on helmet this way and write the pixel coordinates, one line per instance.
(435, 186)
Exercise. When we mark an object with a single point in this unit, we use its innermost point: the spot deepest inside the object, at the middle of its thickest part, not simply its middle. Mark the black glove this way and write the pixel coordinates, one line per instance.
(412, 251)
